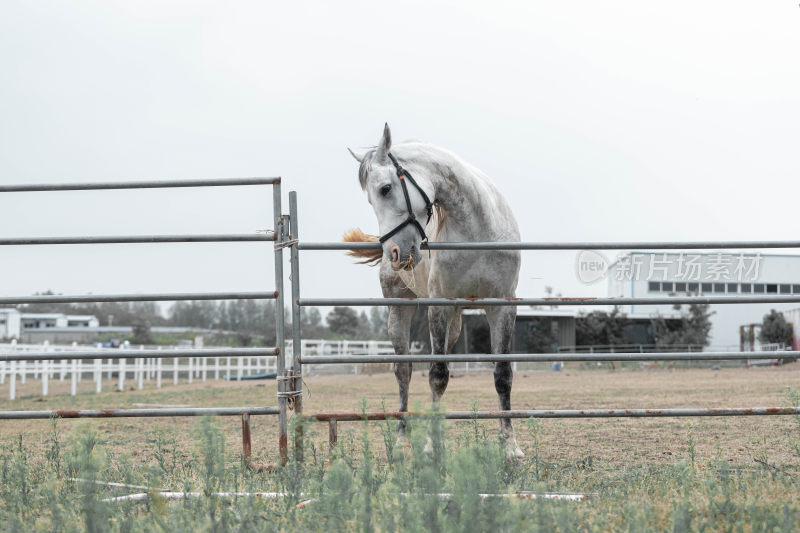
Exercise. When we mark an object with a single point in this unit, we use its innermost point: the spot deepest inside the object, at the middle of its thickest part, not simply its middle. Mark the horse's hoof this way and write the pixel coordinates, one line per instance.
(428, 446)
(513, 453)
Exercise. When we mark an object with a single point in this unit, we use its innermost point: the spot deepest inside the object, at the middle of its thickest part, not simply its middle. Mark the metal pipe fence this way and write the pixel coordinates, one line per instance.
(583, 301)
(600, 245)
(269, 236)
(333, 418)
(285, 234)
(543, 357)
(139, 239)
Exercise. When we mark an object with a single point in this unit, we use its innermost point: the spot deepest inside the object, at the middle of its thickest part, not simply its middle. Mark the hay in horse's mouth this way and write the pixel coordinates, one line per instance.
(408, 263)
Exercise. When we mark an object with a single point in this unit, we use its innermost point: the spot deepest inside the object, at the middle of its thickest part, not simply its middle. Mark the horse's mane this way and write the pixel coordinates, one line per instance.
(373, 257)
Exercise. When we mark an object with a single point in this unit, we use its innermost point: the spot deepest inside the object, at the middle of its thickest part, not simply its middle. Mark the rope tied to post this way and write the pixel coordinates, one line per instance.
(289, 376)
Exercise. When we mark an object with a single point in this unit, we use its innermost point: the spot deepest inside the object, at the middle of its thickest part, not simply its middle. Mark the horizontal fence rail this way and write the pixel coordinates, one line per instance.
(143, 184)
(632, 245)
(139, 354)
(139, 239)
(543, 357)
(495, 302)
(155, 297)
(561, 413)
(136, 413)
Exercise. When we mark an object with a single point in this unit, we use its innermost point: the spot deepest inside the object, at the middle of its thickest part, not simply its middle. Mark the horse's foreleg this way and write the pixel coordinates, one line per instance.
(445, 326)
(400, 334)
(501, 328)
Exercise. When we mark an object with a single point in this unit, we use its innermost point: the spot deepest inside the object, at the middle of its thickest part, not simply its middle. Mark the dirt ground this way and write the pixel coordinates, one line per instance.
(614, 441)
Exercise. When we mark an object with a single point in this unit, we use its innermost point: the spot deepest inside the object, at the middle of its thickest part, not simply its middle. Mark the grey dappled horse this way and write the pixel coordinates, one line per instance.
(414, 188)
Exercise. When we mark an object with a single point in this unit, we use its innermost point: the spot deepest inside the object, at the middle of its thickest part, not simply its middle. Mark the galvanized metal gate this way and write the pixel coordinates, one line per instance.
(290, 384)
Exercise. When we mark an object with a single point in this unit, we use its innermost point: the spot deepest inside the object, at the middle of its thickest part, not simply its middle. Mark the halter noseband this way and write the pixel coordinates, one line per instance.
(412, 219)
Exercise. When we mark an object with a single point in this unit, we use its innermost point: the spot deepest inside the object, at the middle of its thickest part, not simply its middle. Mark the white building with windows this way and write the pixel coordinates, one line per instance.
(14, 323)
(642, 274)
(10, 323)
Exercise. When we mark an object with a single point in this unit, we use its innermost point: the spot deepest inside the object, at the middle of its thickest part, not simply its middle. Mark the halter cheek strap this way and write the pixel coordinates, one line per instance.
(402, 175)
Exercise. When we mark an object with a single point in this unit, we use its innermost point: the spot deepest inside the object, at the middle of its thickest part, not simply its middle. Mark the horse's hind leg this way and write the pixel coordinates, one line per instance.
(400, 334)
(501, 328)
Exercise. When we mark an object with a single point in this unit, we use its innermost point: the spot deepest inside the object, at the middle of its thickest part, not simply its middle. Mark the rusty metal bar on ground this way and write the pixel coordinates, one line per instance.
(139, 239)
(585, 301)
(543, 357)
(155, 297)
(145, 354)
(560, 413)
(631, 245)
(333, 433)
(143, 184)
(137, 413)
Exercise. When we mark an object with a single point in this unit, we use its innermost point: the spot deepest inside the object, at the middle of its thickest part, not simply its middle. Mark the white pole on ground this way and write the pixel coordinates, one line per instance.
(174, 370)
(158, 373)
(240, 370)
(205, 368)
(228, 369)
(121, 385)
(216, 368)
(110, 369)
(45, 376)
(190, 369)
(98, 376)
(140, 364)
(73, 383)
(62, 370)
(23, 370)
(2, 372)
(12, 378)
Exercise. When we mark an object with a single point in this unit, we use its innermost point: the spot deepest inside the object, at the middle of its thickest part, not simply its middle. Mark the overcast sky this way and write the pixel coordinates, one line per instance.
(598, 120)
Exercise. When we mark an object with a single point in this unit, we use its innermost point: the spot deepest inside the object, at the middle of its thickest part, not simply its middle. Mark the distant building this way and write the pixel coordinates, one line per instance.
(10, 323)
(562, 322)
(658, 274)
(17, 325)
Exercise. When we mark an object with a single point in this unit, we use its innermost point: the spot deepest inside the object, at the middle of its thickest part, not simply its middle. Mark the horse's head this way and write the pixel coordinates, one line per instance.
(401, 227)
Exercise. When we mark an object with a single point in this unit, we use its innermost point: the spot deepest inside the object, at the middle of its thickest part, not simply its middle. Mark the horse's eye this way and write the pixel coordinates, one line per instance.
(385, 190)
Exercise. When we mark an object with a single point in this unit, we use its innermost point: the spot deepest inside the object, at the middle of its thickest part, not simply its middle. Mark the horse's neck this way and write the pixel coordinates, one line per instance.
(475, 209)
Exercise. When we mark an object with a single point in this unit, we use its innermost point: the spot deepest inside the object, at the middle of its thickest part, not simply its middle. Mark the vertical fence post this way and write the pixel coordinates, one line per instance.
(45, 376)
(277, 215)
(296, 342)
(73, 385)
(98, 376)
(158, 373)
(175, 370)
(12, 381)
(246, 444)
(121, 385)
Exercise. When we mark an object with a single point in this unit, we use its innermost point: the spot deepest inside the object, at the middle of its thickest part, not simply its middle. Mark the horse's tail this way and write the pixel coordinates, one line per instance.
(370, 257)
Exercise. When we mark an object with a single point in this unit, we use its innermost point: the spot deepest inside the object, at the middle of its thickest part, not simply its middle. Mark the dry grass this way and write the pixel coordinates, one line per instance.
(613, 441)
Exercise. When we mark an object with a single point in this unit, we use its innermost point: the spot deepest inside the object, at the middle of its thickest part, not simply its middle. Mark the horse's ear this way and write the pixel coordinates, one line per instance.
(358, 155)
(385, 144)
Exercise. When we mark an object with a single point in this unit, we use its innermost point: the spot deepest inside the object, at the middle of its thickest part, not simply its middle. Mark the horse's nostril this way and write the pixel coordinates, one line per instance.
(395, 255)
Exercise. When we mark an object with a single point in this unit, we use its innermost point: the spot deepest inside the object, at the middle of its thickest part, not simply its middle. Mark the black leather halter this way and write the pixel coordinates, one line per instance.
(402, 174)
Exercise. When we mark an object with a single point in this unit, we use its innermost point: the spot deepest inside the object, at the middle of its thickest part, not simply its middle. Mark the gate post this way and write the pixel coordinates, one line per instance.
(279, 320)
(297, 370)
